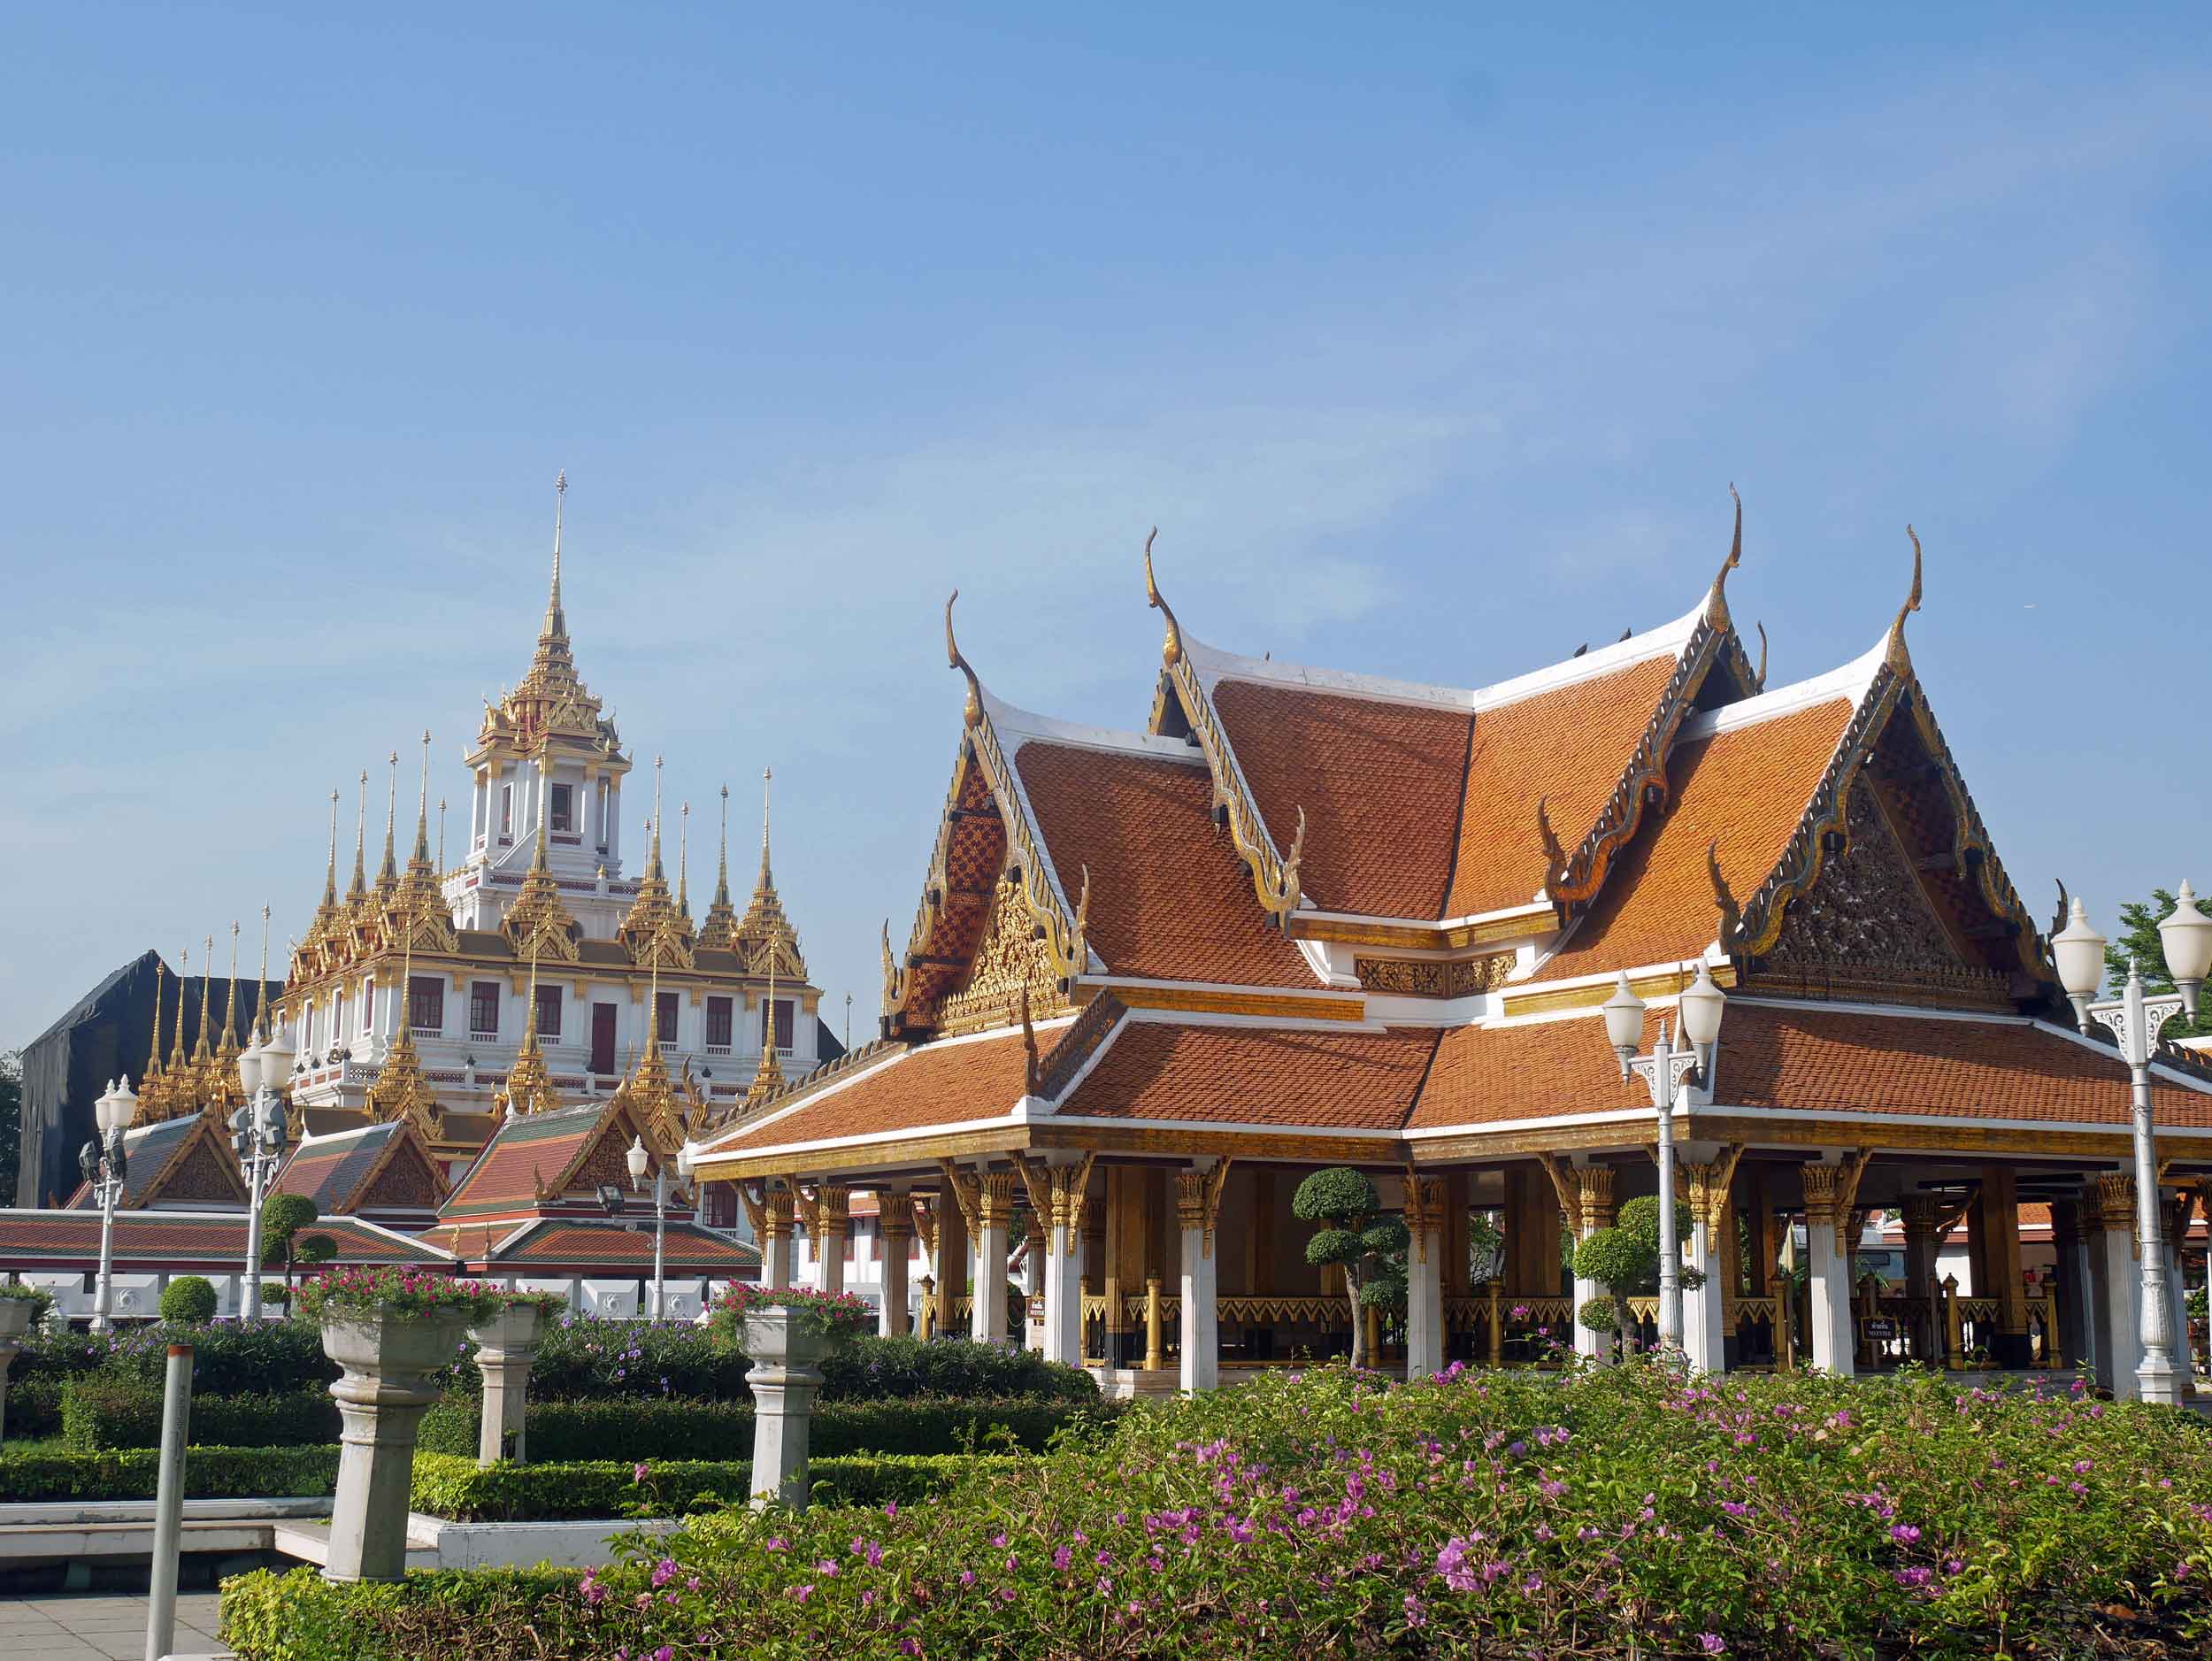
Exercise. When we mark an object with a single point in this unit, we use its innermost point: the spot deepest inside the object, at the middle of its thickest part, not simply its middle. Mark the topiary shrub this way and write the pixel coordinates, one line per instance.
(1370, 1249)
(189, 1299)
(1625, 1260)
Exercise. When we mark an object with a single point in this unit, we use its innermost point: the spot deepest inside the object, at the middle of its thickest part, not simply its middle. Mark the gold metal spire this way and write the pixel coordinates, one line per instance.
(653, 850)
(230, 1009)
(201, 1051)
(555, 620)
(422, 808)
(330, 877)
(153, 1086)
(1171, 645)
(529, 1086)
(400, 1090)
(359, 891)
(388, 875)
(765, 935)
(683, 861)
(1897, 657)
(538, 917)
(442, 833)
(177, 1062)
(718, 929)
(261, 986)
(767, 878)
(1716, 600)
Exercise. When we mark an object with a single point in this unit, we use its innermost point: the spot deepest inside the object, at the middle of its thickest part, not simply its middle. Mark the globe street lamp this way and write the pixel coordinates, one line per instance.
(1666, 1072)
(637, 1159)
(256, 1136)
(104, 1165)
(2186, 937)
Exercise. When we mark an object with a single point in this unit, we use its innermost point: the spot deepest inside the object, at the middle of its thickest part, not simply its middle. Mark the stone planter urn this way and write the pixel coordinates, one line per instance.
(386, 1360)
(786, 1349)
(505, 1346)
(15, 1320)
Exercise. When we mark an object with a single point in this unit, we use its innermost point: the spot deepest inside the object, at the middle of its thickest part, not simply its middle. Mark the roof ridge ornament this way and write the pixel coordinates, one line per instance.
(973, 714)
(1724, 901)
(1895, 654)
(555, 620)
(1171, 645)
(1716, 598)
(1762, 655)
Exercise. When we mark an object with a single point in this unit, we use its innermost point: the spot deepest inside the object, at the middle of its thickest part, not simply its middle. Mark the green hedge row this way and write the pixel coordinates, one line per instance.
(33, 1409)
(646, 1428)
(445, 1484)
(100, 1413)
(209, 1473)
(298, 1615)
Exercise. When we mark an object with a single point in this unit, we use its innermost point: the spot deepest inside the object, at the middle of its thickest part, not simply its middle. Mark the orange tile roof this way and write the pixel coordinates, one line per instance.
(1566, 748)
(526, 1149)
(1498, 1074)
(1745, 788)
(1795, 1057)
(1246, 1076)
(1379, 783)
(1170, 898)
(940, 1083)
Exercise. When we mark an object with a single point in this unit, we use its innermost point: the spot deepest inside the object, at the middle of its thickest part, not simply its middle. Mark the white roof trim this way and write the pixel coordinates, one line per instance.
(1018, 727)
(992, 709)
(1534, 909)
(1850, 681)
(1213, 665)
(1947, 1121)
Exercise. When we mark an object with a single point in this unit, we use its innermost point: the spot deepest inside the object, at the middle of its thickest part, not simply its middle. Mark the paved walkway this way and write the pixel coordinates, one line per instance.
(99, 1625)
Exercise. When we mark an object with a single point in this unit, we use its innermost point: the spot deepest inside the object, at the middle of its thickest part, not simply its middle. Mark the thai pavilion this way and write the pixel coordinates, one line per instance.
(1309, 917)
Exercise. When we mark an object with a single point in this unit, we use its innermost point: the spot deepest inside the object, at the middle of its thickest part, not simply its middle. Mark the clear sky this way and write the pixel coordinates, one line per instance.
(1431, 338)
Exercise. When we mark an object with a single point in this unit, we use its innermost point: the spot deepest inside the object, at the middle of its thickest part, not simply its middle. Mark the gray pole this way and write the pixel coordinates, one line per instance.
(660, 1242)
(104, 1290)
(176, 1413)
(1670, 1247)
(253, 1302)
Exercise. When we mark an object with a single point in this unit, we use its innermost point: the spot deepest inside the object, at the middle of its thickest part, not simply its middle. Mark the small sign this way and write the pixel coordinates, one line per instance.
(1883, 1327)
(1037, 1307)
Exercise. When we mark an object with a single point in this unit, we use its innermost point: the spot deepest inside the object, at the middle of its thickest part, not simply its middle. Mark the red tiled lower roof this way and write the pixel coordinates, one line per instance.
(1170, 898)
(1745, 789)
(689, 1251)
(1814, 1059)
(1247, 1076)
(1492, 1075)
(940, 1083)
(172, 1239)
(526, 1148)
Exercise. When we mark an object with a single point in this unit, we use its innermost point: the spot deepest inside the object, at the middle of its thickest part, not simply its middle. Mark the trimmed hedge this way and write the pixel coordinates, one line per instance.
(209, 1473)
(447, 1486)
(101, 1413)
(298, 1615)
(648, 1429)
(33, 1410)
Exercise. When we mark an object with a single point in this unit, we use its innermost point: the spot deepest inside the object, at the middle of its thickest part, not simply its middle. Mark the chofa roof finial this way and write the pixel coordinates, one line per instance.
(1899, 659)
(1716, 602)
(1171, 646)
(973, 712)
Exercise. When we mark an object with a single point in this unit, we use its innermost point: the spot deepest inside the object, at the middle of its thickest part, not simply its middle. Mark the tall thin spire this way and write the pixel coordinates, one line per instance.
(360, 889)
(330, 878)
(767, 776)
(442, 833)
(653, 850)
(388, 875)
(683, 862)
(152, 1072)
(718, 929)
(230, 1009)
(555, 620)
(200, 1051)
(422, 808)
(261, 986)
(722, 874)
(176, 1046)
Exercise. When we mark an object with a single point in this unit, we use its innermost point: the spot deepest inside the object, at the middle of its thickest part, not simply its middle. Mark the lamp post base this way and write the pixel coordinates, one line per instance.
(2157, 1380)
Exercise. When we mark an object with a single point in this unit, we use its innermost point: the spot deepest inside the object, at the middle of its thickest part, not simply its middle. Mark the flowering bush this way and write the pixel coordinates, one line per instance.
(1616, 1513)
(550, 1306)
(832, 1314)
(395, 1289)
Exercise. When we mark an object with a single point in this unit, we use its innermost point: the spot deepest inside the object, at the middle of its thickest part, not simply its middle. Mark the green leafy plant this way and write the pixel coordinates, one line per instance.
(210, 1473)
(284, 1218)
(191, 1300)
(454, 1486)
(1355, 1236)
(113, 1412)
(836, 1315)
(38, 1296)
(1625, 1260)
(550, 1306)
(394, 1290)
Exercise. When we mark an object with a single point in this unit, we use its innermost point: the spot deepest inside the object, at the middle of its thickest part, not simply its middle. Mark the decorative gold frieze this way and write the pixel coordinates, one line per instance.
(1436, 978)
(1009, 961)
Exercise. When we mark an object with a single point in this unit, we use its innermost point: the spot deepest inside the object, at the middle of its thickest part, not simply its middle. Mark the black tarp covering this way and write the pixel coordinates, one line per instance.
(105, 1035)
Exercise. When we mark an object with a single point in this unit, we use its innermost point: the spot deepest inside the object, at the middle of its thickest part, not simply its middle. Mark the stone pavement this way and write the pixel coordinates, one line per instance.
(99, 1626)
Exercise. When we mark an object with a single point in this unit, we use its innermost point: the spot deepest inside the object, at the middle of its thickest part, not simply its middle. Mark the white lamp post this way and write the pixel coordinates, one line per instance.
(637, 1158)
(104, 1166)
(2186, 937)
(256, 1136)
(1666, 1071)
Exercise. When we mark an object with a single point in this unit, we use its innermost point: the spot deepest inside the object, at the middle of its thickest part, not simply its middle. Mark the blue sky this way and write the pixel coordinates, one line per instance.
(1431, 338)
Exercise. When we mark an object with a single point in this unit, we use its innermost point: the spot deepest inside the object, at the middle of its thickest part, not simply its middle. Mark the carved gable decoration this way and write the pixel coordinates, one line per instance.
(1865, 927)
(606, 1162)
(200, 1175)
(409, 1181)
(1008, 959)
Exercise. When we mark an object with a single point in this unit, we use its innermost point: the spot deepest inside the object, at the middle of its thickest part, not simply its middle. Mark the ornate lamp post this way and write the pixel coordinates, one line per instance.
(256, 1136)
(104, 1166)
(1666, 1071)
(2185, 936)
(637, 1158)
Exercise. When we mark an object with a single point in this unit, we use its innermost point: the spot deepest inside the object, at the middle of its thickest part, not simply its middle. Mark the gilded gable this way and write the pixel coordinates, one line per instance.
(1008, 957)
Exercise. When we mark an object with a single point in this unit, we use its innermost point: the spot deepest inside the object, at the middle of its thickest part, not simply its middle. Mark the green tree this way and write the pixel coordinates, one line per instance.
(10, 1122)
(284, 1218)
(189, 1299)
(1625, 1260)
(2138, 938)
(1356, 1235)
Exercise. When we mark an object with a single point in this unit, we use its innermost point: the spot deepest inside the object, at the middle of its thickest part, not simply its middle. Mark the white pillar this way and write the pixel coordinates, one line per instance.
(1831, 1289)
(1703, 1337)
(995, 1207)
(826, 1231)
(1063, 1297)
(1197, 1202)
(1425, 1276)
(2114, 1284)
(894, 1230)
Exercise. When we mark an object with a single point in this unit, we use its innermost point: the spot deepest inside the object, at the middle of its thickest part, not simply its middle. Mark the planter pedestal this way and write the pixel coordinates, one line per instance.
(381, 1399)
(505, 1346)
(15, 1320)
(784, 1380)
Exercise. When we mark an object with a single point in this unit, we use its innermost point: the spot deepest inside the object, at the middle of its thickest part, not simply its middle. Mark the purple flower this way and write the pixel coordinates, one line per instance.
(1905, 1535)
(1711, 1643)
